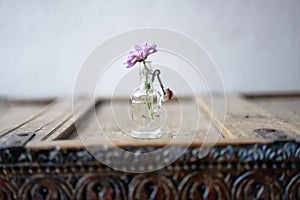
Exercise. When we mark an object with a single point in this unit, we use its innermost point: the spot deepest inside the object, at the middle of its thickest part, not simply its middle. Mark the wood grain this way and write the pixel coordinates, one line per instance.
(109, 124)
(76, 143)
(244, 119)
(83, 107)
(17, 114)
(54, 121)
(285, 108)
(185, 120)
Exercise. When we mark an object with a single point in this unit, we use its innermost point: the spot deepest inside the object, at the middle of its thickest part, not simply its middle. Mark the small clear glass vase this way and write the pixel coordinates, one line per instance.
(145, 106)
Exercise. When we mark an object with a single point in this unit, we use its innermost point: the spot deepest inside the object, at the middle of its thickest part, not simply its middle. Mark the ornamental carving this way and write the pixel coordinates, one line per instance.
(155, 186)
(293, 187)
(257, 185)
(7, 190)
(45, 187)
(100, 187)
(204, 185)
(236, 171)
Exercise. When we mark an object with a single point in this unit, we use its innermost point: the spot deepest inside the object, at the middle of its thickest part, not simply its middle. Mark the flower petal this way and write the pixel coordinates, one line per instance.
(139, 53)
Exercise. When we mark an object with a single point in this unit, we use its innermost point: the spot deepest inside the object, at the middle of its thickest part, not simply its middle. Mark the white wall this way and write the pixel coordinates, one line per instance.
(255, 43)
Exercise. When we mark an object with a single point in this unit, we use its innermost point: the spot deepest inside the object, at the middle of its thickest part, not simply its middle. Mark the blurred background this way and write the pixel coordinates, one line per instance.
(255, 44)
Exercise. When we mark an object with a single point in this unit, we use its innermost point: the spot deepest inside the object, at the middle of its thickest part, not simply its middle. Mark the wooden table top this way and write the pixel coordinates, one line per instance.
(40, 123)
(254, 154)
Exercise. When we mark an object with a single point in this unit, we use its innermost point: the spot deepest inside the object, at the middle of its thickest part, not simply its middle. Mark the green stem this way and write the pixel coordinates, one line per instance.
(147, 87)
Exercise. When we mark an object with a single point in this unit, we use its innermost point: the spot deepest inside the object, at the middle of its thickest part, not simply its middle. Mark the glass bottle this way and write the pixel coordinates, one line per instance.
(145, 106)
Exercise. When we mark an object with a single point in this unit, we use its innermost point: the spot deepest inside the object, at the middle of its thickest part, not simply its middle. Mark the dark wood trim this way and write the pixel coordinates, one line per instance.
(240, 171)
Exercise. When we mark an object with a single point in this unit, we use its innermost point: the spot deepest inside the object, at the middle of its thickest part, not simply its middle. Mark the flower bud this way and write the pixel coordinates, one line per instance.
(168, 94)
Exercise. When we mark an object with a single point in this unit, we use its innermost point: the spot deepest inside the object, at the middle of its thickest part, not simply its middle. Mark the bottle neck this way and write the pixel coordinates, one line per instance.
(145, 73)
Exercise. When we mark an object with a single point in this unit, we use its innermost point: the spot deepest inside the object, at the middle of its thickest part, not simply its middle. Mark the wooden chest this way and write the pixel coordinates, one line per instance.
(256, 154)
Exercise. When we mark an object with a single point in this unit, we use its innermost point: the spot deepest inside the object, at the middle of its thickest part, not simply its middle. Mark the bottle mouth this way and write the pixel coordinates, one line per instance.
(145, 68)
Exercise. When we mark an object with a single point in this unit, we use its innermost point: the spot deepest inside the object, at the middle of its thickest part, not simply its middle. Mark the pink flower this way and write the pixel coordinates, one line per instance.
(139, 54)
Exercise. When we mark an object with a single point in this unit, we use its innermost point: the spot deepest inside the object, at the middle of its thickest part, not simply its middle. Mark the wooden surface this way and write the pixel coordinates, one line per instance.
(15, 114)
(287, 109)
(105, 124)
(245, 119)
(256, 155)
(32, 124)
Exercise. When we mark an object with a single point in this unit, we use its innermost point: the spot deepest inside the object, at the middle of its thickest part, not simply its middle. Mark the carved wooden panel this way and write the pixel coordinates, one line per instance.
(232, 171)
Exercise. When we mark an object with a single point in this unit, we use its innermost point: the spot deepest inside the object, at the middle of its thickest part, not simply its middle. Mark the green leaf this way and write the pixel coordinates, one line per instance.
(152, 116)
(148, 86)
(149, 105)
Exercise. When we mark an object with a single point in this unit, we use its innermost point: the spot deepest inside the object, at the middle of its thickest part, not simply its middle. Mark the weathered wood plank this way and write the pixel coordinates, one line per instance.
(56, 121)
(68, 126)
(19, 113)
(247, 120)
(90, 129)
(61, 122)
(285, 108)
(76, 143)
(244, 119)
(15, 140)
